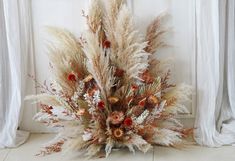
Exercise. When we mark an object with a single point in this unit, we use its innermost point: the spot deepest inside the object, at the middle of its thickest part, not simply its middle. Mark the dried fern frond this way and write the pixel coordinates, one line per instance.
(66, 56)
(155, 33)
(98, 64)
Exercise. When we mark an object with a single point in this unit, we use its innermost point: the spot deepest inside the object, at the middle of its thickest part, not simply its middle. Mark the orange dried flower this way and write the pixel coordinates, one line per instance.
(147, 78)
(113, 100)
(152, 100)
(116, 117)
(118, 133)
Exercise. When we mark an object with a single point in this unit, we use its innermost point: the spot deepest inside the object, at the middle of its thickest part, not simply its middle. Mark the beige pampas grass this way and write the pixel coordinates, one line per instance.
(45, 99)
(66, 56)
(128, 54)
(155, 33)
(98, 64)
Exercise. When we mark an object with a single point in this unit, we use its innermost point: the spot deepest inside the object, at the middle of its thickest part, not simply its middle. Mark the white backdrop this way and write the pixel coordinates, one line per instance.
(67, 14)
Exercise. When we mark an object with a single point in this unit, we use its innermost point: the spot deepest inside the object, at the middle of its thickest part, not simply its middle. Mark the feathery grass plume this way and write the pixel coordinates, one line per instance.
(94, 19)
(98, 64)
(109, 19)
(95, 16)
(155, 33)
(67, 57)
(166, 137)
(178, 96)
(44, 98)
(158, 68)
(129, 55)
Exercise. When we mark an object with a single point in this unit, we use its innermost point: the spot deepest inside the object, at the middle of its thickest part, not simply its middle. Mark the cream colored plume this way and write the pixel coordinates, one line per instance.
(98, 63)
(182, 93)
(128, 54)
(66, 56)
(155, 33)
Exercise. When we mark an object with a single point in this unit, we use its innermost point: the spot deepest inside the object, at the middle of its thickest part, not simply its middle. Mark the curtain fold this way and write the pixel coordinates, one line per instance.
(16, 56)
(215, 118)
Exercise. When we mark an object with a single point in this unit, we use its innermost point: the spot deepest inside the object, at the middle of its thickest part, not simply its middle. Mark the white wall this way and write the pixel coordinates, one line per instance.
(67, 14)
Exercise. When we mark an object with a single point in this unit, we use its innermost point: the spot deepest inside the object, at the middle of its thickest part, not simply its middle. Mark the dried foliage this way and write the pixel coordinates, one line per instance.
(107, 92)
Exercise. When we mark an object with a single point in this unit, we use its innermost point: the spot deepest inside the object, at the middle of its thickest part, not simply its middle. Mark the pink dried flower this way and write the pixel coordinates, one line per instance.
(116, 117)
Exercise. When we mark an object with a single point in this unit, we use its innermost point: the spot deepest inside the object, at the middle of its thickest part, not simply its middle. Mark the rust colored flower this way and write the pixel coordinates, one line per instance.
(118, 133)
(142, 102)
(101, 105)
(146, 77)
(71, 77)
(106, 44)
(119, 72)
(152, 100)
(134, 87)
(116, 117)
(128, 122)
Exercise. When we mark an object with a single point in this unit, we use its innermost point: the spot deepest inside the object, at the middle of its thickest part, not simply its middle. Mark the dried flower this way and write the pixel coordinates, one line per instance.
(128, 122)
(119, 72)
(113, 100)
(147, 78)
(106, 44)
(116, 117)
(134, 87)
(142, 102)
(86, 136)
(118, 133)
(101, 105)
(71, 77)
(152, 100)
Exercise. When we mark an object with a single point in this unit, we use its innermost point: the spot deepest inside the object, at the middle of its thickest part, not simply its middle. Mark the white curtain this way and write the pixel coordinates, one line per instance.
(215, 120)
(16, 62)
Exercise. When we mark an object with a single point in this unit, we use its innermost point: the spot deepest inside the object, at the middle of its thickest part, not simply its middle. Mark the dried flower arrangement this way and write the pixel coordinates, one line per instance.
(108, 89)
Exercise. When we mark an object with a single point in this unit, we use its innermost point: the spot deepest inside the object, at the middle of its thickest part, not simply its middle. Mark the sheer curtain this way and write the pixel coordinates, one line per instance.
(215, 120)
(16, 61)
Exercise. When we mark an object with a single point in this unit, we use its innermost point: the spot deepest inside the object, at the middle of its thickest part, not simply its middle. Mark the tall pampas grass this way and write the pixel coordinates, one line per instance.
(66, 56)
(155, 33)
(98, 64)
